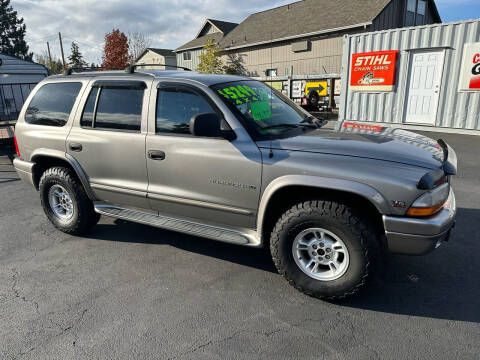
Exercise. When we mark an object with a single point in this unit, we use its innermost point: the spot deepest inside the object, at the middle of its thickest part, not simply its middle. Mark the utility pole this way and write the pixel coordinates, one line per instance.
(49, 55)
(61, 48)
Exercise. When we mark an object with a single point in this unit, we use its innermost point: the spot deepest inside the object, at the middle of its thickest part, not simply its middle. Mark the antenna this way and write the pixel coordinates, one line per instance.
(270, 154)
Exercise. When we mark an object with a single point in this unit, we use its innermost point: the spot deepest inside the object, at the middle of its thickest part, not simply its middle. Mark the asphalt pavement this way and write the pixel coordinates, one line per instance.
(128, 291)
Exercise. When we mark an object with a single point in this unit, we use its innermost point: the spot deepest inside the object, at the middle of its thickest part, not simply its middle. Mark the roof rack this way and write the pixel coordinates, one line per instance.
(130, 69)
(70, 71)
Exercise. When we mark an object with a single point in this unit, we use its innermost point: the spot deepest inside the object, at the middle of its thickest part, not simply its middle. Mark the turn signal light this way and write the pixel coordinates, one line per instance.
(413, 211)
(430, 202)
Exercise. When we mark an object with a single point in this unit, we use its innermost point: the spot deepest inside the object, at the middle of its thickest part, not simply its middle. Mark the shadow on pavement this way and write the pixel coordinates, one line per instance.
(124, 231)
(442, 285)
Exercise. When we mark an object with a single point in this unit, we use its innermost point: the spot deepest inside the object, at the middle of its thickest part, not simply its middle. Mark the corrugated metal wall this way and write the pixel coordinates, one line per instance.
(459, 110)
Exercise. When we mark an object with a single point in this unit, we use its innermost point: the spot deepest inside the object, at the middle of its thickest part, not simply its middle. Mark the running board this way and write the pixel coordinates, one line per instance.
(184, 226)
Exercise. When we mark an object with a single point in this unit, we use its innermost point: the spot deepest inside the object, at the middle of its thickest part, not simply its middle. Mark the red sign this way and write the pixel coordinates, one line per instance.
(373, 71)
(475, 80)
(470, 73)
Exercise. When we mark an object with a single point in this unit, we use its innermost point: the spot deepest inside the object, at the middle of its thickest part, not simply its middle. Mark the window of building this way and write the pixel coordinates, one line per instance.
(175, 108)
(415, 14)
(420, 20)
(271, 72)
(52, 104)
(117, 108)
(187, 56)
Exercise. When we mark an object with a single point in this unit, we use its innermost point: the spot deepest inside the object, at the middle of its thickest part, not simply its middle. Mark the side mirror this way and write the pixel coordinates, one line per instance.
(210, 125)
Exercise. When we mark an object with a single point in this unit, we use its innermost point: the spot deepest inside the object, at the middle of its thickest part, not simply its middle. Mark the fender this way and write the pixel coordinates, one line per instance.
(73, 163)
(364, 190)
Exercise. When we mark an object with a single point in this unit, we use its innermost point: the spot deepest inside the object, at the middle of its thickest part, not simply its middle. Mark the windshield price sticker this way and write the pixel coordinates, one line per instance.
(239, 94)
(261, 110)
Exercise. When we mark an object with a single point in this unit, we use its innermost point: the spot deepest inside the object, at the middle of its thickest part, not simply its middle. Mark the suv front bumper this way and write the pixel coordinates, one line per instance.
(418, 236)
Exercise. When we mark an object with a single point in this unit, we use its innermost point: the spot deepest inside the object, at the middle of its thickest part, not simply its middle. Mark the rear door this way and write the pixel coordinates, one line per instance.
(211, 180)
(108, 140)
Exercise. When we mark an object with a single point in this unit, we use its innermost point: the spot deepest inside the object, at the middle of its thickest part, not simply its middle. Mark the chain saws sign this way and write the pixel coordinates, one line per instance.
(470, 75)
(373, 71)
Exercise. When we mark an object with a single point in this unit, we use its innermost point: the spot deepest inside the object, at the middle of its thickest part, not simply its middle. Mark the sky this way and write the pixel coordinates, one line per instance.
(168, 23)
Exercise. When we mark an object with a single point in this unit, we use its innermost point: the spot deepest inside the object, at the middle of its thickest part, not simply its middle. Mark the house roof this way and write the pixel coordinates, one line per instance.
(224, 28)
(302, 17)
(162, 52)
(11, 65)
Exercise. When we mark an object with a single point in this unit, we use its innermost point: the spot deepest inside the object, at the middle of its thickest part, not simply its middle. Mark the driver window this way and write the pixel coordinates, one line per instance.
(175, 108)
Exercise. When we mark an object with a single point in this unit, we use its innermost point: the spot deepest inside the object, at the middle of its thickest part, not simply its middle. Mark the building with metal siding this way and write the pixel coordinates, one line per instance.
(451, 110)
(17, 79)
(267, 39)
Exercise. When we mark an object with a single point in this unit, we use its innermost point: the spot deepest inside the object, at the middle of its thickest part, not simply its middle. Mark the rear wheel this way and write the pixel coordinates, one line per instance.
(65, 202)
(325, 249)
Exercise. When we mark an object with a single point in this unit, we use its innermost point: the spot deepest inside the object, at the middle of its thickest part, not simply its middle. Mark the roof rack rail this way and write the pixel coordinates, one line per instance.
(131, 68)
(70, 71)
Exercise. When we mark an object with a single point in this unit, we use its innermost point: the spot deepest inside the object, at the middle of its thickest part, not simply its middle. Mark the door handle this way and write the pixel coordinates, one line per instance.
(75, 147)
(156, 155)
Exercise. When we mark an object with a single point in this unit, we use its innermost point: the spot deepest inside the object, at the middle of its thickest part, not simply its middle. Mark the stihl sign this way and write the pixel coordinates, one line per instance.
(470, 75)
(373, 71)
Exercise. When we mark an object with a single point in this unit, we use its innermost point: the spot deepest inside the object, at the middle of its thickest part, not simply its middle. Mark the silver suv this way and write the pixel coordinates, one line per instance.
(230, 159)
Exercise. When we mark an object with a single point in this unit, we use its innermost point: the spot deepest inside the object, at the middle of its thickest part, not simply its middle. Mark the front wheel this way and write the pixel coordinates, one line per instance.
(65, 202)
(325, 249)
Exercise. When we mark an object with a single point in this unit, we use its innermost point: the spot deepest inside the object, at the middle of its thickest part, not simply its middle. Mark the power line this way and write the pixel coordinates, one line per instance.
(82, 43)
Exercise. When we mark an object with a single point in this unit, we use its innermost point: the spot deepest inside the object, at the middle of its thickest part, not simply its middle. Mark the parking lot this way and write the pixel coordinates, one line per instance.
(128, 291)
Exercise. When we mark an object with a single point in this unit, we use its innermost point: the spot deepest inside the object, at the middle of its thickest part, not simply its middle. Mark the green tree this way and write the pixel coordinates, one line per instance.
(12, 33)
(210, 59)
(235, 65)
(76, 57)
(54, 67)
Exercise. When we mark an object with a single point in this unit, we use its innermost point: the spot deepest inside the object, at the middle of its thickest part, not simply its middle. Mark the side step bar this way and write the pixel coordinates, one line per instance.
(247, 238)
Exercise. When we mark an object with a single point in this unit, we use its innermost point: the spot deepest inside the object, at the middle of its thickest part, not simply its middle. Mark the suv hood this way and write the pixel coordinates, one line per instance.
(380, 143)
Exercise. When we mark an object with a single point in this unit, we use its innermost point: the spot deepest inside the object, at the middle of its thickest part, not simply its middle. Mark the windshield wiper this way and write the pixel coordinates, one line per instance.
(293, 126)
(280, 126)
(312, 121)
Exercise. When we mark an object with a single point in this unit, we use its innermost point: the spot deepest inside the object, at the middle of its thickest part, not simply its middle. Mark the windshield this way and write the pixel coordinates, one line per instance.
(267, 111)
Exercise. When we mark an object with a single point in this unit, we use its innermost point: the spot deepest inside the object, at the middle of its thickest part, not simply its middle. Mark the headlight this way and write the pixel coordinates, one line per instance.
(431, 202)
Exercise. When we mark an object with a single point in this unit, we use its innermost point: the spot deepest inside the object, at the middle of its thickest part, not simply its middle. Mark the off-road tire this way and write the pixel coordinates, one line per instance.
(84, 215)
(355, 230)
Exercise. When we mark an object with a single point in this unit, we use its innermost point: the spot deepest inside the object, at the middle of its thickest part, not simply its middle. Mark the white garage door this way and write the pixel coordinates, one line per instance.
(424, 80)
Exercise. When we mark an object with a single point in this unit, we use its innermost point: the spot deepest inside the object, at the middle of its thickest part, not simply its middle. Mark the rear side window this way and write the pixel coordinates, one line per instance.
(175, 108)
(52, 104)
(87, 116)
(118, 108)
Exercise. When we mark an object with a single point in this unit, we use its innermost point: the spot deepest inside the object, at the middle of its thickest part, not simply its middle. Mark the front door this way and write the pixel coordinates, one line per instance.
(424, 81)
(210, 180)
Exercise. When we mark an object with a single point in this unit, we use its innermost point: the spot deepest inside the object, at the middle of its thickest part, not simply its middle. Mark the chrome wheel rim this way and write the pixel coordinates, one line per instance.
(60, 202)
(320, 254)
